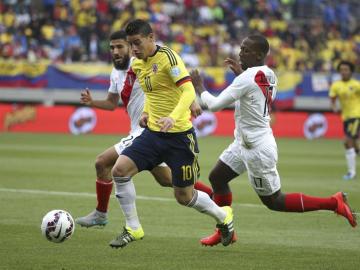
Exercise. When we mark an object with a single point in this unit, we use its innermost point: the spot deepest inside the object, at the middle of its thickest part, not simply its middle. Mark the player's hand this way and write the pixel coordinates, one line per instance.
(195, 109)
(85, 97)
(197, 81)
(165, 123)
(234, 66)
(143, 120)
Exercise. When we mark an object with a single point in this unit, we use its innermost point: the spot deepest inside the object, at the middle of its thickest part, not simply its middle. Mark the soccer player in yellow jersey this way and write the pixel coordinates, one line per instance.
(347, 90)
(168, 135)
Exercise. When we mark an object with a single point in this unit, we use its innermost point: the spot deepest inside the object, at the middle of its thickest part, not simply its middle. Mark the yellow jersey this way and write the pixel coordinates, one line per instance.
(160, 77)
(348, 93)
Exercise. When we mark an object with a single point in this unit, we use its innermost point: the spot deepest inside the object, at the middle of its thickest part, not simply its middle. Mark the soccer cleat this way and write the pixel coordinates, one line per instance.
(95, 218)
(127, 236)
(343, 208)
(215, 238)
(349, 176)
(226, 228)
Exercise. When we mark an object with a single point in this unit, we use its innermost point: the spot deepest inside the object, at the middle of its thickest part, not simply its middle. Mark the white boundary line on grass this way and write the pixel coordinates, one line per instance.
(86, 194)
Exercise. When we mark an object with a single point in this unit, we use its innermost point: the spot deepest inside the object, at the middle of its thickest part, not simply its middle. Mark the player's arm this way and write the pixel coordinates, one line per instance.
(214, 104)
(110, 103)
(333, 98)
(186, 99)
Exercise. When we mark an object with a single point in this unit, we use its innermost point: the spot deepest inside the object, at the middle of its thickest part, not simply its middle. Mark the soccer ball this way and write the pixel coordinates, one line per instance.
(57, 226)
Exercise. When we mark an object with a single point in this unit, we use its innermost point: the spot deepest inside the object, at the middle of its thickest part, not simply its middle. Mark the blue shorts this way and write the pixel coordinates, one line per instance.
(178, 150)
(352, 128)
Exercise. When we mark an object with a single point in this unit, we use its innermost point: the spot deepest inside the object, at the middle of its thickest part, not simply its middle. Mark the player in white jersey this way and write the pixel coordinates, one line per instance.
(254, 149)
(134, 102)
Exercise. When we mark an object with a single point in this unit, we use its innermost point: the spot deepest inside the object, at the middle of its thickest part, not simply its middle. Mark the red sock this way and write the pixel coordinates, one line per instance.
(298, 202)
(223, 199)
(203, 187)
(103, 192)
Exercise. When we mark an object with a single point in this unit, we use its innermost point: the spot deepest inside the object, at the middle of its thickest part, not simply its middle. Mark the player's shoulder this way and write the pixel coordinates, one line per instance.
(336, 84)
(169, 55)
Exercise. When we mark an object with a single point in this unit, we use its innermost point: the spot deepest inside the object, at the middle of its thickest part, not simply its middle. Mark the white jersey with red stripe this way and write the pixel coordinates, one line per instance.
(132, 97)
(253, 91)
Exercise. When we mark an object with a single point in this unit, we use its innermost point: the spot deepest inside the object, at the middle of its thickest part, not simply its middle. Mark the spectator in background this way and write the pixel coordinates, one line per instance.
(328, 30)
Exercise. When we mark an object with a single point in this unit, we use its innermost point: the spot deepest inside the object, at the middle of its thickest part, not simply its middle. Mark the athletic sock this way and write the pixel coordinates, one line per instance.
(298, 202)
(223, 199)
(103, 192)
(350, 156)
(126, 195)
(202, 203)
(199, 185)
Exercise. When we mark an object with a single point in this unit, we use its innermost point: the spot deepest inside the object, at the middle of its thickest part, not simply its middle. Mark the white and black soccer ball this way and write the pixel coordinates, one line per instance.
(57, 226)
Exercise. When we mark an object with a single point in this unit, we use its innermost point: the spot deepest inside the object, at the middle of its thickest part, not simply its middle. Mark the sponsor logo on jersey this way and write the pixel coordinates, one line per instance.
(155, 68)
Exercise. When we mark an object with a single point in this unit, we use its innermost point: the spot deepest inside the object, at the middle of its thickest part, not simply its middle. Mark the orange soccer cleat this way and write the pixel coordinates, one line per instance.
(343, 208)
(215, 238)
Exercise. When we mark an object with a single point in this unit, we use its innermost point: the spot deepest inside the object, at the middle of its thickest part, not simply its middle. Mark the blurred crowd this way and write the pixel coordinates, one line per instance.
(303, 34)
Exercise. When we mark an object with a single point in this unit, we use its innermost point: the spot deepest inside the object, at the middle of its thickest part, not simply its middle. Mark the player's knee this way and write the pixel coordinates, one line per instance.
(164, 180)
(119, 171)
(100, 164)
(271, 205)
(183, 198)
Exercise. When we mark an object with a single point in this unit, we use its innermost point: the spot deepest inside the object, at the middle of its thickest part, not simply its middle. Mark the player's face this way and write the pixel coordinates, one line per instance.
(142, 46)
(120, 53)
(248, 55)
(345, 72)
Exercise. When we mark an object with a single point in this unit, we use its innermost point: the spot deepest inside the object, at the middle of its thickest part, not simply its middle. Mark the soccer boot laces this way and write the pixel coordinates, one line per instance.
(95, 218)
(227, 227)
(344, 209)
(128, 235)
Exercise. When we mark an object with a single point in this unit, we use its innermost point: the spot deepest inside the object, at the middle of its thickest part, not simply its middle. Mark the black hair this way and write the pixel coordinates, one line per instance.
(120, 34)
(137, 27)
(261, 42)
(347, 63)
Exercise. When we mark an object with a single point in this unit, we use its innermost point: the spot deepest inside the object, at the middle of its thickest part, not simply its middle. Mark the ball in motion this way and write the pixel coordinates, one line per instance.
(57, 226)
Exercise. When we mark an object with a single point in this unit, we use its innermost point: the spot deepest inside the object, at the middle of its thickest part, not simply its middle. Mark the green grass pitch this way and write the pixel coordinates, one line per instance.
(41, 172)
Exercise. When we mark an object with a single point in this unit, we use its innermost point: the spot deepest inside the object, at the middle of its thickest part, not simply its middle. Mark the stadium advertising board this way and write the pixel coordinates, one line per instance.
(80, 120)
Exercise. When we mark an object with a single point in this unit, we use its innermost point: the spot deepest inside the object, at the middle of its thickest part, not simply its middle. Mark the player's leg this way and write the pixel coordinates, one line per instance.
(265, 180)
(122, 173)
(162, 174)
(180, 154)
(104, 184)
(229, 166)
(351, 130)
(219, 178)
(137, 157)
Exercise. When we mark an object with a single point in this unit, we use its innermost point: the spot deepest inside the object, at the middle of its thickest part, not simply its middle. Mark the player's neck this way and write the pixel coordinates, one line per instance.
(152, 51)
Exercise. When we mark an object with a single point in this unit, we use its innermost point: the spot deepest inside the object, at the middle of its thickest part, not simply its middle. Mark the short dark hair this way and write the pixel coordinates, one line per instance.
(137, 27)
(261, 43)
(347, 63)
(120, 34)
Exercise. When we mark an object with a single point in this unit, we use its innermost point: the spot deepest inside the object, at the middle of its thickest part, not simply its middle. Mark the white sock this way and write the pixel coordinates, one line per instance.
(351, 160)
(202, 203)
(126, 195)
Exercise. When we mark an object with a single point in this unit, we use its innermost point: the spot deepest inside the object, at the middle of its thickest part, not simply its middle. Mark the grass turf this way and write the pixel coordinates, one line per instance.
(63, 164)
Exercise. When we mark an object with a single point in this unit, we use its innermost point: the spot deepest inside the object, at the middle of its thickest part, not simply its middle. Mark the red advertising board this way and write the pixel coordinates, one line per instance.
(78, 120)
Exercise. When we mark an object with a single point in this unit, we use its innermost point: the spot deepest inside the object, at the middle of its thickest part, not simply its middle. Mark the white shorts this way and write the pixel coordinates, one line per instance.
(232, 157)
(260, 162)
(126, 142)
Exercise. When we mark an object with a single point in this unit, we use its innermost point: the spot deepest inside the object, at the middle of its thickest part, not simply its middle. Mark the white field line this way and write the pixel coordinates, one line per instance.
(86, 194)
